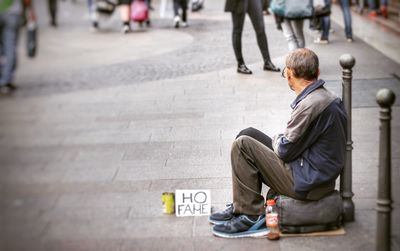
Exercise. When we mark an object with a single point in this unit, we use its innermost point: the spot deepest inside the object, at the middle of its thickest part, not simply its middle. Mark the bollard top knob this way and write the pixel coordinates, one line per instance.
(347, 61)
(385, 97)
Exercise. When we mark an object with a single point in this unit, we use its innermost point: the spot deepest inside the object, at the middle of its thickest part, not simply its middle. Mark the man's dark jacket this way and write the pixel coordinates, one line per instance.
(314, 143)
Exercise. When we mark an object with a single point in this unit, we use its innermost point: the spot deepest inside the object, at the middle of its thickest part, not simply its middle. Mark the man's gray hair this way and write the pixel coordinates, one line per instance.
(304, 63)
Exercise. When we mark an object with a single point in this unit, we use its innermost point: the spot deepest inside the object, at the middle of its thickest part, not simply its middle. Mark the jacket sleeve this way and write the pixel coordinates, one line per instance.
(286, 150)
(290, 145)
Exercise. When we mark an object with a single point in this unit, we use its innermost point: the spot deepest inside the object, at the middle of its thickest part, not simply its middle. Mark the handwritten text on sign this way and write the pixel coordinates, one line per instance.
(192, 202)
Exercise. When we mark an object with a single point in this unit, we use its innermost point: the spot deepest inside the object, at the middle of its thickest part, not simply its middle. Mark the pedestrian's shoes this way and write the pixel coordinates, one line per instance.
(242, 68)
(269, 66)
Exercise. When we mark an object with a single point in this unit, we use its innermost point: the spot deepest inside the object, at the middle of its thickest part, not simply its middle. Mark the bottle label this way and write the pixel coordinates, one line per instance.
(272, 220)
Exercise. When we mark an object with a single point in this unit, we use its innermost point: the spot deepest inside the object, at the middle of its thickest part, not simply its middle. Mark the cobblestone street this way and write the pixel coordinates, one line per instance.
(103, 123)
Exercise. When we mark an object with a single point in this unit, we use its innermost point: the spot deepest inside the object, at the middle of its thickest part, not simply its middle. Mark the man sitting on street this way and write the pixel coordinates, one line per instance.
(302, 163)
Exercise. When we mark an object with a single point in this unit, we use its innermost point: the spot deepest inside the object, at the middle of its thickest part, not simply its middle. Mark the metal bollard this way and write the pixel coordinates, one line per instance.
(347, 62)
(385, 98)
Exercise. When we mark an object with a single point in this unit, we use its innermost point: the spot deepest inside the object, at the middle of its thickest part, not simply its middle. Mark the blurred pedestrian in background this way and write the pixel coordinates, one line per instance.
(348, 30)
(180, 6)
(265, 6)
(326, 23)
(325, 26)
(52, 6)
(93, 15)
(373, 7)
(292, 22)
(239, 8)
(124, 7)
(11, 19)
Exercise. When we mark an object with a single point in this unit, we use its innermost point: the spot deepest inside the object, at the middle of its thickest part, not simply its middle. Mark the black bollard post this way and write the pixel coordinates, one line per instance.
(385, 98)
(347, 62)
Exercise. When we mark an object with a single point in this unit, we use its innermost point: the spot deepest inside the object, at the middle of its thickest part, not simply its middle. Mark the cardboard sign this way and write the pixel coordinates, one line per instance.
(192, 202)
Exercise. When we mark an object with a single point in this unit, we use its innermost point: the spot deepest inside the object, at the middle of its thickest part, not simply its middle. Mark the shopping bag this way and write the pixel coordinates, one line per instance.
(139, 11)
(321, 9)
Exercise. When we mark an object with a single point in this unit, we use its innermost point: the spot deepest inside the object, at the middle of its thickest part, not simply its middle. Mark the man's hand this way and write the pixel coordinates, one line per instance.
(276, 140)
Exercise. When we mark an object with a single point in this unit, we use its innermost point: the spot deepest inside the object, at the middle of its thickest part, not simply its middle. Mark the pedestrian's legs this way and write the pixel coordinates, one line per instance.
(289, 34)
(383, 8)
(254, 9)
(238, 22)
(9, 36)
(298, 32)
(150, 6)
(372, 5)
(52, 4)
(125, 17)
(124, 11)
(184, 5)
(325, 25)
(177, 18)
(253, 164)
(176, 8)
(347, 18)
(93, 13)
(148, 3)
(89, 4)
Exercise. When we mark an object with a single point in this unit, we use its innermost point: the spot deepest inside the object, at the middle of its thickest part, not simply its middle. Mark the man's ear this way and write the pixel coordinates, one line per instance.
(318, 73)
(289, 73)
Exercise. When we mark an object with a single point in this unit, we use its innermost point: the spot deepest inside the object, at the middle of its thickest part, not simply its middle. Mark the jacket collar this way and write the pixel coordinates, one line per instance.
(312, 87)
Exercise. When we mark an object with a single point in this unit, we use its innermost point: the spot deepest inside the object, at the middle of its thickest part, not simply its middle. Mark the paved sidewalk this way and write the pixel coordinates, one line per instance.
(104, 123)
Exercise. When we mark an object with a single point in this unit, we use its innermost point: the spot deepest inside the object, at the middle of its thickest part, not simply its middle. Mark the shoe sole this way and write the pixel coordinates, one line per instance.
(273, 70)
(245, 73)
(319, 42)
(252, 234)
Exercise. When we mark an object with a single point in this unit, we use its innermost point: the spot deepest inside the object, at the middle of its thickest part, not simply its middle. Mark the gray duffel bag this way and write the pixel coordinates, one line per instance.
(296, 216)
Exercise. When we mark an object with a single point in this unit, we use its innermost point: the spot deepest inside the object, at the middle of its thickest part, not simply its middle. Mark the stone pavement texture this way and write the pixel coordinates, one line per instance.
(103, 123)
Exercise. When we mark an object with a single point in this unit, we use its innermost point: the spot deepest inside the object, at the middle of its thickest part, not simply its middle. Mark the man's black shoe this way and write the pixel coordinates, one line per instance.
(242, 68)
(222, 216)
(269, 66)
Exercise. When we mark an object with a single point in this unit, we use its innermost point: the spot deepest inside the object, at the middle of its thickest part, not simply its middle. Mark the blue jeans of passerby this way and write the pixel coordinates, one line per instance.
(372, 4)
(9, 29)
(345, 5)
(326, 23)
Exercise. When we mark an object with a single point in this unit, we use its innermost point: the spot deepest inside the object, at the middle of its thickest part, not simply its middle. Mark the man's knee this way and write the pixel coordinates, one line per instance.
(247, 131)
(242, 142)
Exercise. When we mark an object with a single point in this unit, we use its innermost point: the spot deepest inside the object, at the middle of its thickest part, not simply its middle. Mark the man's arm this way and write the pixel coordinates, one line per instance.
(286, 150)
(300, 132)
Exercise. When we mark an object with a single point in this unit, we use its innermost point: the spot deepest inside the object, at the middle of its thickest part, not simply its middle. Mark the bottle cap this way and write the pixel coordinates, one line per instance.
(271, 203)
